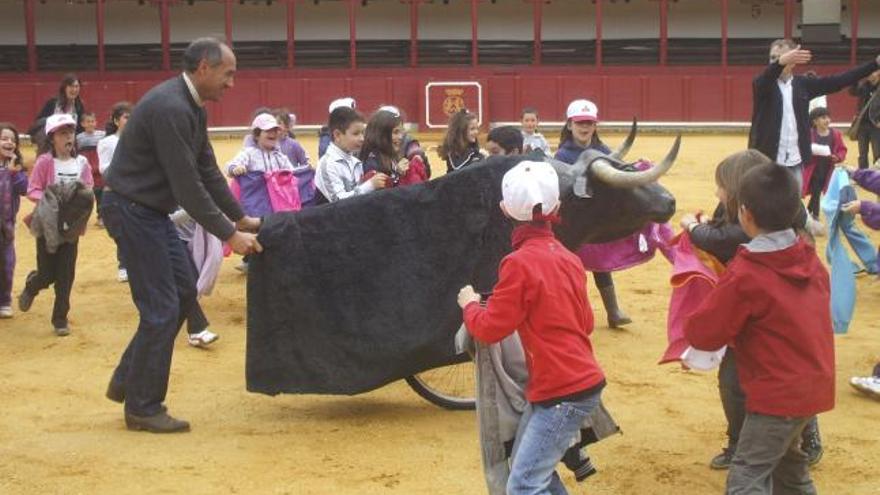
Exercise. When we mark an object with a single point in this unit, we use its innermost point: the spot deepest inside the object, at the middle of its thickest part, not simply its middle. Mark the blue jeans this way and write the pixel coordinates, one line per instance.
(543, 436)
(163, 286)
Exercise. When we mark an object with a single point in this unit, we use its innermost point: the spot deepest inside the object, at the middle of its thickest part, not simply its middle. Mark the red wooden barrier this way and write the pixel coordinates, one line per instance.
(680, 94)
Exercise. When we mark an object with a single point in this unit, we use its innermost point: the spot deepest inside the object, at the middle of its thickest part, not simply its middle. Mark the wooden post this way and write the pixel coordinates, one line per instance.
(475, 45)
(414, 33)
(352, 32)
(725, 13)
(789, 16)
(99, 28)
(598, 33)
(165, 21)
(227, 21)
(853, 31)
(537, 18)
(30, 34)
(291, 17)
(664, 30)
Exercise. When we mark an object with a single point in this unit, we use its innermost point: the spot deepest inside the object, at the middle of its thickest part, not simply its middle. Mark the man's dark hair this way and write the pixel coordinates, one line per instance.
(508, 137)
(530, 110)
(207, 49)
(341, 119)
(771, 195)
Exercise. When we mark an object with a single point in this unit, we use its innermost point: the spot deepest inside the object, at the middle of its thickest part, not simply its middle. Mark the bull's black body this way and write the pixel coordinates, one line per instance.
(350, 296)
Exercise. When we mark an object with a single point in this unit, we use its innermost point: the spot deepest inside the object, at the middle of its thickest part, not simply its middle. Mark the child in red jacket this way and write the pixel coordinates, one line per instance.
(828, 150)
(773, 305)
(541, 293)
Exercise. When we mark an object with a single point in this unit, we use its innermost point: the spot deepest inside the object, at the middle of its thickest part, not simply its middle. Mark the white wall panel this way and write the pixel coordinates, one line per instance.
(12, 30)
(128, 22)
(506, 20)
(568, 20)
(60, 23)
(259, 22)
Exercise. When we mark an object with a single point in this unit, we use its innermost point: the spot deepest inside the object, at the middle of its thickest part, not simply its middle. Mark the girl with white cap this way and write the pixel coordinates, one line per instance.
(60, 165)
(578, 135)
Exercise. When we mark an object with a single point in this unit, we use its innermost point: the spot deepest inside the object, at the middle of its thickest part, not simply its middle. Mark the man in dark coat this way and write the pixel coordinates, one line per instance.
(780, 99)
(164, 159)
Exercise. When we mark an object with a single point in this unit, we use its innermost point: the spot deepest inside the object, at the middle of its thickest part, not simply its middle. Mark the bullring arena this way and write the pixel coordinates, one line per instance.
(676, 65)
(60, 435)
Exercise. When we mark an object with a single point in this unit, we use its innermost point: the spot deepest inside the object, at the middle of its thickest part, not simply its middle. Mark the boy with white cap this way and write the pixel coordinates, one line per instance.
(325, 136)
(541, 293)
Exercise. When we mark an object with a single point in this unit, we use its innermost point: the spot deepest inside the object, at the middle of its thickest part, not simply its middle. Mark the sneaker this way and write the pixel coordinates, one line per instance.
(868, 385)
(243, 267)
(62, 331)
(25, 299)
(5, 311)
(722, 460)
(99, 223)
(122, 276)
(812, 446)
(202, 339)
(157, 423)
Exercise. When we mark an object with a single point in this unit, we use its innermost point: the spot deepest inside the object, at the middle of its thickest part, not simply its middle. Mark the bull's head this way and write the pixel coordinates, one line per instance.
(604, 199)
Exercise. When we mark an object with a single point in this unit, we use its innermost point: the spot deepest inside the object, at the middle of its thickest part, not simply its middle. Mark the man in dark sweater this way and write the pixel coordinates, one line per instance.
(164, 159)
(780, 104)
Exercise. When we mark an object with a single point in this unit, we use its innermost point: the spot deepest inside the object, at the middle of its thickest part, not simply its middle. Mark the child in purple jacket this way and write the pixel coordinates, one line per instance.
(13, 185)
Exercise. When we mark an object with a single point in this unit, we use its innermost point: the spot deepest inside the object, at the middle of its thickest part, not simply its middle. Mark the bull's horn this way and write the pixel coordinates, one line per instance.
(605, 171)
(627, 143)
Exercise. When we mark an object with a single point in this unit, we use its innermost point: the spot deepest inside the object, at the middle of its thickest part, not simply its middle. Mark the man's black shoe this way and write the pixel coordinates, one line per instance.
(158, 423)
(25, 299)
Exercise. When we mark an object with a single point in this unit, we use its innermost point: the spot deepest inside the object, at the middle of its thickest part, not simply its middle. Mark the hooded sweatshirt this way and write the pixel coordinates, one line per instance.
(541, 293)
(773, 305)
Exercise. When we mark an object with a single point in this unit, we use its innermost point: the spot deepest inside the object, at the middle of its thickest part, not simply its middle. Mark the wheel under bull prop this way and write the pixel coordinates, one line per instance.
(353, 295)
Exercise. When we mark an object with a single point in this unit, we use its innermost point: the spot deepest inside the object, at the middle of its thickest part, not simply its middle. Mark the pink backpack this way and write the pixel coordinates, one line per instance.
(283, 190)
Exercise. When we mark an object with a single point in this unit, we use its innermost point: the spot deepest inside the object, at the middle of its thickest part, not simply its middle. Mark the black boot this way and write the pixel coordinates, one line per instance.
(616, 317)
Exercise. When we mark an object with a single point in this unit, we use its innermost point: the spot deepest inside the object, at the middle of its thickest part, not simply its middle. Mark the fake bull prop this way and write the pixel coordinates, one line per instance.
(353, 295)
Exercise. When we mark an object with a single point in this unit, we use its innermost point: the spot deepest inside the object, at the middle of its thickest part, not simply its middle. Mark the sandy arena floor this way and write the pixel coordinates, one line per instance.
(58, 434)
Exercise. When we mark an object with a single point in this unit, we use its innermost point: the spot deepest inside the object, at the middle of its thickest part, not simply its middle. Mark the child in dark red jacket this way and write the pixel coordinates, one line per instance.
(541, 293)
(773, 305)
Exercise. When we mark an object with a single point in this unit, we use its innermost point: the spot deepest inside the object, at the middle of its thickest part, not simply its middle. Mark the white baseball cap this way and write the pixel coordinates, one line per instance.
(341, 102)
(582, 110)
(390, 109)
(58, 120)
(529, 184)
(265, 122)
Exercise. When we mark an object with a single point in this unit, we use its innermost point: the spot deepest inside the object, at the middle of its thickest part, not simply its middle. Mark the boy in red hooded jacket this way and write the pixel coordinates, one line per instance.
(541, 293)
(773, 305)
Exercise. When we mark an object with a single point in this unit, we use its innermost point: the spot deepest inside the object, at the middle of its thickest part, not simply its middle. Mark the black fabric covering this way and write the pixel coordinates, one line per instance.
(349, 296)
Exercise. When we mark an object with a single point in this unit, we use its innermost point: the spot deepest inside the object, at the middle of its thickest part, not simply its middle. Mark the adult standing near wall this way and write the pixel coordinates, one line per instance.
(780, 104)
(868, 132)
(165, 160)
(66, 101)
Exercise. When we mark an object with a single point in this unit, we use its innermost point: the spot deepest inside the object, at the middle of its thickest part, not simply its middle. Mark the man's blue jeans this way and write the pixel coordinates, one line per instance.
(163, 286)
(543, 436)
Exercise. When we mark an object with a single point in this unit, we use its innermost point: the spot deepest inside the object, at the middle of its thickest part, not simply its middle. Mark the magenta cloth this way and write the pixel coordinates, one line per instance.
(691, 281)
(283, 190)
(630, 251)
(207, 254)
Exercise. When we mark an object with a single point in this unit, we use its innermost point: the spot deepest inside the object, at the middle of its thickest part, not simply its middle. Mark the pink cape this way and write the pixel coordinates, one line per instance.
(694, 274)
(630, 251)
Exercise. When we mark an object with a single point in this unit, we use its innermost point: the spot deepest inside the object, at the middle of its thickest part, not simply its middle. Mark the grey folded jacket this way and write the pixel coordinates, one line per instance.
(62, 214)
(501, 378)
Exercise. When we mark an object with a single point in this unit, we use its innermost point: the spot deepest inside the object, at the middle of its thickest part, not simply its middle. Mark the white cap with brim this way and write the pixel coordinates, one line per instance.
(265, 122)
(341, 102)
(529, 184)
(59, 120)
(582, 110)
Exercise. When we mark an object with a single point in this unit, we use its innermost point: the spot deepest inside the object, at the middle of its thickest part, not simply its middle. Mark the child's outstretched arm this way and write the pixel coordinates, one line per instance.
(505, 310)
